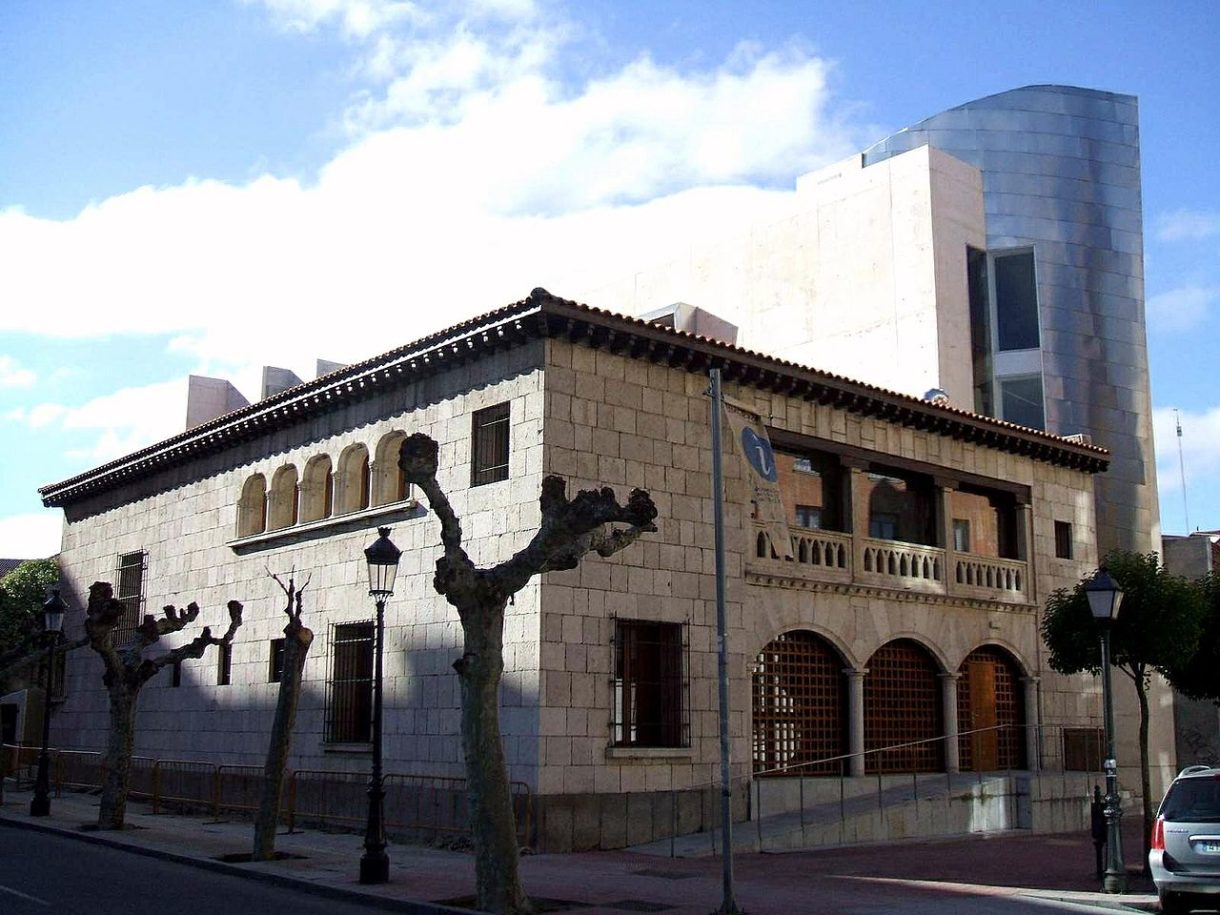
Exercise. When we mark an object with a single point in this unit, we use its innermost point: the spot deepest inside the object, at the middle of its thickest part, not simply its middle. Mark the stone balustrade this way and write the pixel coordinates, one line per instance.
(833, 556)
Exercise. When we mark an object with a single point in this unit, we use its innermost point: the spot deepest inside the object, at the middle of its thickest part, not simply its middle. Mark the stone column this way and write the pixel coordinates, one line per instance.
(1033, 759)
(944, 508)
(948, 696)
(855, 719)
(857, 500)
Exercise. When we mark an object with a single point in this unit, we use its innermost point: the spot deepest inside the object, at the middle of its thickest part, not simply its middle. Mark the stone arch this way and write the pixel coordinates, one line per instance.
(991, 714)
(799, 702)
(282, 501)
(252, 506)
(903, 709)
(317, 489)
(389, 482)
(352, 480)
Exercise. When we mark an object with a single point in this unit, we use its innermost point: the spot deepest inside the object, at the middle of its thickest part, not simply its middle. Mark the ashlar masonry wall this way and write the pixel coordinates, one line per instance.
(613, 420)
(186, 521)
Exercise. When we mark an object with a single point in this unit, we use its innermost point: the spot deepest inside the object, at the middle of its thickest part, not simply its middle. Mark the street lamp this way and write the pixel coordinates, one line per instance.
(1105, 597)
(53, 622)
(382, 558)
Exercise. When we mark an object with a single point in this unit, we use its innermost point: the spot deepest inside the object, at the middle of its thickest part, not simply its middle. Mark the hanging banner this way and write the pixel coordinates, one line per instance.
(762, 475)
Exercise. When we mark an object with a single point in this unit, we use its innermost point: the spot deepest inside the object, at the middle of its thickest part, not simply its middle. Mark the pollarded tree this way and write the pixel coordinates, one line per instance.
(569, 529)
(297, 639)
(126, 672)
(1158, 628)
(1199, 675)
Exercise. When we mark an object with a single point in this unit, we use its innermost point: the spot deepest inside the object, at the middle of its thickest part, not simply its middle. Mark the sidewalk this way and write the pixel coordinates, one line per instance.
(426, 880)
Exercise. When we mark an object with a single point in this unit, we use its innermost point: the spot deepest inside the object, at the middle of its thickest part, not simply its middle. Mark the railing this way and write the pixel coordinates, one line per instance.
(842, 808)
(833, 556)
(416, 806)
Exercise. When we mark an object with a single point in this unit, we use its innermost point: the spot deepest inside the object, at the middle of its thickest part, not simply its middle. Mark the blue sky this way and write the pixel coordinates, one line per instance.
(209, 186)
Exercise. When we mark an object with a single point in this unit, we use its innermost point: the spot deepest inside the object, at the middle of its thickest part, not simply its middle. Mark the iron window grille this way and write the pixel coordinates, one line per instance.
(131, 576)
(349, 692)
(224, 664)
(651, 687)
(275, 661)
(489, 445)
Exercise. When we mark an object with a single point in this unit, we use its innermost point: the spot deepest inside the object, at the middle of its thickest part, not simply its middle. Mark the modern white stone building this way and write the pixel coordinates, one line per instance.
(901, 638)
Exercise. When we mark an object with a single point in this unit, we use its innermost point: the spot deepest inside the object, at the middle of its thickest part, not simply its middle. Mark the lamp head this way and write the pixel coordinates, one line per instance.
(1105, 597)
(382, 558)
(53, 609)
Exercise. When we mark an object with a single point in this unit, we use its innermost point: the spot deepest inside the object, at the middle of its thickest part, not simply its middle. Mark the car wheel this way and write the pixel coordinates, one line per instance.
(1174, 904)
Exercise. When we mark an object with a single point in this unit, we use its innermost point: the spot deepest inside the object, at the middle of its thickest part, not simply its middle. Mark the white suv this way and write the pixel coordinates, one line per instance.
(1185, 852)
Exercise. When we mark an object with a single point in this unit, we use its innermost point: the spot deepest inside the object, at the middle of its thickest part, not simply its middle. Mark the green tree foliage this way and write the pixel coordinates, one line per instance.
(1158, 629)
(1199, 676)
(22, 592)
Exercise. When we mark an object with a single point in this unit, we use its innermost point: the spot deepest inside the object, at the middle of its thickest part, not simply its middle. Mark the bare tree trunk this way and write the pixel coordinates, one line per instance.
(116, 765)
(297, 640)
(491, 806)
(569, 530)
(126, 672)
(1145, 770)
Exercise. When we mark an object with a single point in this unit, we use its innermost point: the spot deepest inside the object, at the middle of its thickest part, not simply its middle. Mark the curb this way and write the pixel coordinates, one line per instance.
(408, 906)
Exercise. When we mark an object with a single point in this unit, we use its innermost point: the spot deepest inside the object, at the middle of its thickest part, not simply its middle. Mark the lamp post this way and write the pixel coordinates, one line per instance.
(382, 558)
(1105, 597)
(53, 621)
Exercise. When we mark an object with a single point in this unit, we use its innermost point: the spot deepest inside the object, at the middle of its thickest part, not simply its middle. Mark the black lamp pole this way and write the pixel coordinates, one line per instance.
(382, 559)
(1105, 597)
(53, 621)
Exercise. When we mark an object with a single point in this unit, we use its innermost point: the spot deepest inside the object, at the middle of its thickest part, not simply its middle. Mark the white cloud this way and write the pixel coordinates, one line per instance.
(1200, 449)
(355, 18)
(1181, 309)
(12, 375)
(113, 425)
(1184, 224)
(30, 536)
(530, 184)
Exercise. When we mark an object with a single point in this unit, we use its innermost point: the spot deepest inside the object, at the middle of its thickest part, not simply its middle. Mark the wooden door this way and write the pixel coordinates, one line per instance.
(984, 744)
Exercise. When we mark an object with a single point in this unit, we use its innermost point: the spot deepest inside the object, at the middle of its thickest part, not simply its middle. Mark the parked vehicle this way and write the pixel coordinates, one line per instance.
(1185, 847)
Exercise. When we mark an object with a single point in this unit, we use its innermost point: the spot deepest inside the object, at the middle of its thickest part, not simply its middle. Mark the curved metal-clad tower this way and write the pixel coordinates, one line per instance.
(1061, 190)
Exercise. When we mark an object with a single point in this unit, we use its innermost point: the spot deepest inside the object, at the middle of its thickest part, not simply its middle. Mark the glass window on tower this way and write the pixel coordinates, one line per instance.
(1016, 301)
(1021, 401)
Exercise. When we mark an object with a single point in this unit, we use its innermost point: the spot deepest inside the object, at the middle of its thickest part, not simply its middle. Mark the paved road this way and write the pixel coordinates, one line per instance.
(42, 874)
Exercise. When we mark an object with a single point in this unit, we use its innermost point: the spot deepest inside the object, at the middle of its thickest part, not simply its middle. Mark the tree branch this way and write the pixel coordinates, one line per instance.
(197, 646)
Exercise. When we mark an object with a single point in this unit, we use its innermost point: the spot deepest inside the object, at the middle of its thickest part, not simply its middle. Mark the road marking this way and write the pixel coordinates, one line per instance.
(5, 889)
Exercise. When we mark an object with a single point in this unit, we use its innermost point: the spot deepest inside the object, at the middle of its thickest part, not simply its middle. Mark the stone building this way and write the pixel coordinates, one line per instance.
(902, 637)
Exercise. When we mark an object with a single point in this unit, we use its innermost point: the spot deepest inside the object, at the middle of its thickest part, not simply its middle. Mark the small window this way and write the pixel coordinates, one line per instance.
(1016, 301)
(176, 678)
(489, 445)
(961, 535)
(224, 664)
(1082, 749)
(349, 700)
(809, 516)
(275, 668)
(883, 526)
(1021, 402)
(1063, 540)
(132, 567)
(805, 465)
(650, 701)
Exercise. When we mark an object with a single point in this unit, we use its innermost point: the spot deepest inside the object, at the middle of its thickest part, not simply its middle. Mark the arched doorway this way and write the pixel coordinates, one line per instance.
(990, 711)
(800, 707)
(903, 706)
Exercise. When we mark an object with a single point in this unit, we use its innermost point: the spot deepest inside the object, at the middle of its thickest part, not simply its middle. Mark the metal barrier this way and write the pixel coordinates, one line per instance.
(419, 807)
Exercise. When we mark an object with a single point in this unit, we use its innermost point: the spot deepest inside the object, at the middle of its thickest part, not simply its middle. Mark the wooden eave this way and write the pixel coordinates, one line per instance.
(545, 315)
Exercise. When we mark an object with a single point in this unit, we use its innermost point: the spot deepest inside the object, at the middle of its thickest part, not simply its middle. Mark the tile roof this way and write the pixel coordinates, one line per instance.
(543, 315)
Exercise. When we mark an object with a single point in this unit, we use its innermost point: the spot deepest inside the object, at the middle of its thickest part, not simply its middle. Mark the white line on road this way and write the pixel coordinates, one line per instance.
(5, 889)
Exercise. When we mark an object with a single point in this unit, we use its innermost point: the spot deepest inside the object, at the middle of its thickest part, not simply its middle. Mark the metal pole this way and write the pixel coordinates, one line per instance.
(375, 864)
(728, 905)
(40, 803)
(1116, 871)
